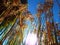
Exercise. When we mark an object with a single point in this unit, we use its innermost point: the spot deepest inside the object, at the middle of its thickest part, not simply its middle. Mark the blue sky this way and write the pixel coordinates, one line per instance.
(32, 7)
